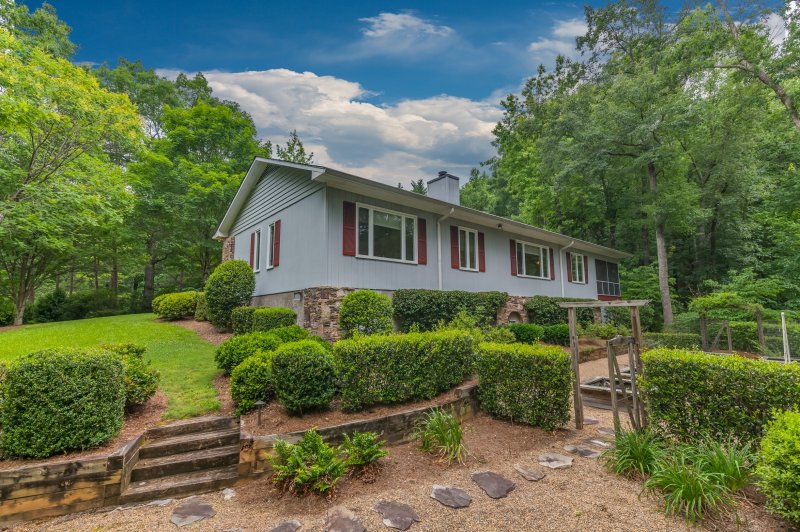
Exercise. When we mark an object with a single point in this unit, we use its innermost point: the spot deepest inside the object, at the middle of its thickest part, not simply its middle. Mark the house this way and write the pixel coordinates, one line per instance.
(313, 233)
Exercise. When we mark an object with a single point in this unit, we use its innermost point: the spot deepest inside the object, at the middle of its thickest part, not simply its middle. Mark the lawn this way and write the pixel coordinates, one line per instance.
(186, 361)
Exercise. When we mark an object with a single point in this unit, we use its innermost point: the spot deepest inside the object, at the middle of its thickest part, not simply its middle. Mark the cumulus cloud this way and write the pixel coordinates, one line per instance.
(389, 24)
(570, 29)
(552, 45)
(561, 40)
(345, 130)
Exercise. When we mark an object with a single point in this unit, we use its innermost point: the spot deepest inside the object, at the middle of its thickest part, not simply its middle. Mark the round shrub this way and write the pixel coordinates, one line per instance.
(242, 319)
(250, 381)
(526, 333)
(778, 469)
(266, 319)
(58, 400)
(326, 345)
(141, 381)
(292, 333)
(201, 310)
(155, 304)
(229, 286)
(176, 306)
(303, 376)
(234, 350)
(365, 312)
(556, 334)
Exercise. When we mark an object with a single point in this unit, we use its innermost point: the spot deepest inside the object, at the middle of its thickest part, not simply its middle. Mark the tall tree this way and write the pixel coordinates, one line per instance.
(294, 151)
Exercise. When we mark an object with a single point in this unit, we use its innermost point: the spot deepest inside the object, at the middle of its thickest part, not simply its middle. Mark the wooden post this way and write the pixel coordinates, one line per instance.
(612, 383)
(730, 336)
(703, 333)
(576, 387)
(638, 338)
(637, 412)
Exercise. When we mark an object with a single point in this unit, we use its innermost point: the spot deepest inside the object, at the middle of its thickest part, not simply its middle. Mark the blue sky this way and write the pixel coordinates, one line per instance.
(388, 90)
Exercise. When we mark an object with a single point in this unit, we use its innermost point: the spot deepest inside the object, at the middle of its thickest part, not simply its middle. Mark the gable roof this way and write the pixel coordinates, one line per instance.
(367, 187)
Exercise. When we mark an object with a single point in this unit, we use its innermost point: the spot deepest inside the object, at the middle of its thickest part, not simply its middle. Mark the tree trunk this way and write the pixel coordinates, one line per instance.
(19, 312)
(96, 273)
(113, 281)
(150, 273)
(661, 253)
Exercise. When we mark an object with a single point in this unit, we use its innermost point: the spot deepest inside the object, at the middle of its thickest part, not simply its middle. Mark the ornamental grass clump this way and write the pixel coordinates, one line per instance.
(635, 453)
(440, 433)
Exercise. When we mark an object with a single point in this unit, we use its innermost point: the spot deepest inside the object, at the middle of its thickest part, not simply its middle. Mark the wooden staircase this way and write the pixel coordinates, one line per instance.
(182, 458)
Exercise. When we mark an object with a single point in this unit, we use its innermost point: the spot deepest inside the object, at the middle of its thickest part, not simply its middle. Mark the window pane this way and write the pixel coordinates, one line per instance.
(520, 261)
(462, 248)
(271, 252)
(363, 231)
(533, 261)
(473, 251)
(613, 272)
(601, 270)
(410, 247)
(387, 238)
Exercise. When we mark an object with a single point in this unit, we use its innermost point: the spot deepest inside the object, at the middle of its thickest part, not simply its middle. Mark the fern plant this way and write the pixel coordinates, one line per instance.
(440, 432)
(363, 449)
(309, 465)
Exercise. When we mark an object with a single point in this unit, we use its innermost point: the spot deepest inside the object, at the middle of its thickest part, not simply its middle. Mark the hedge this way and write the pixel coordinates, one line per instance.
(175, 306)
(59, 400)
(365, 312)
(778, 469)
(201, 310)
(672, 339)
(526, 333)
(266, 319)
(230, 285)
(544, 310)
(251, 381)
(525, 383)
(304, 376)
(242, 319)
(556, 334)
(427, 308)
(292, 333)
(402, 367)
(691, 394)
(234, 350)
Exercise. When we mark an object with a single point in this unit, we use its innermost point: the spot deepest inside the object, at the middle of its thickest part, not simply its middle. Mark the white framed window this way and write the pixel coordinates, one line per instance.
(386, 235)
(533, 261)
(467, 249)
(271, 246)
(257, 251)
(577, 268)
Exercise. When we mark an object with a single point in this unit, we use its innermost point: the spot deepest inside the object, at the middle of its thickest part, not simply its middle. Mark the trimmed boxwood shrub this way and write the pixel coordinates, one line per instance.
(525, 383)
(234, 350)
(556, 334)
(176, 306)
(201, 310)
(59, 400)
(427, 308)
(242, 319)
(526, 333)
(304, 376)
(365, 312)
(691, 394)
(402, 367)
(155, 304)
(266, 319)
(251, 381)
(672, 339)
(141, 381)
(544, 310)
(292, 333)
(778, 469)
(230, 285)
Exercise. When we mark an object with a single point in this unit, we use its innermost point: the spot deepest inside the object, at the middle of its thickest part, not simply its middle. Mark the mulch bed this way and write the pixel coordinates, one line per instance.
(204, 330)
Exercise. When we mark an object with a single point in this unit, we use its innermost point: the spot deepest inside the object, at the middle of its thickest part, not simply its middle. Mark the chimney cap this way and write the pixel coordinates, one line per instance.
(442, 173)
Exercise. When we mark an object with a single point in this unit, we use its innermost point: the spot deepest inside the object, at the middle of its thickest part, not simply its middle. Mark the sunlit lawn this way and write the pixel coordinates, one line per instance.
(186, 361)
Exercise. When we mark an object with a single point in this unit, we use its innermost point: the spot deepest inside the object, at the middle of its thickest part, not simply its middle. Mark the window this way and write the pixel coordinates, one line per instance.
(467, 249)
(256, 254)
(607, 278)
(386, 235)
(576, 265)
(533, 261)
(271, 246)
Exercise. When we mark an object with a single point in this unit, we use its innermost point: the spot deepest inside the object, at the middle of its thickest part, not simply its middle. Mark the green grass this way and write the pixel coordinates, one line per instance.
(186, 361)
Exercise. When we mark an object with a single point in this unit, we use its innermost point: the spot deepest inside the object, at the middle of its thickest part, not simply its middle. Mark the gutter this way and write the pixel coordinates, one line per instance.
(561, 258)
(439, 242)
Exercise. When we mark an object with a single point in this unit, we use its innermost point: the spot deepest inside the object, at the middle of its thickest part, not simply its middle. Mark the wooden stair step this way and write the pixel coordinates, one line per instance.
(192, 426)
(194, 441)
(180, 484)
(174, 464)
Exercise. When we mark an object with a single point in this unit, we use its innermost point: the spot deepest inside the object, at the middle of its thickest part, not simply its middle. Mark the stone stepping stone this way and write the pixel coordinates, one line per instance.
(533, 475)
(293, 525)
(583, 452)
(228, 494)
(451, 496)
(588, 420)
(494, 485)
(555, 461)
(605, 431)
(341, 519)
(191, 511)
(599, 443)
(396, 514)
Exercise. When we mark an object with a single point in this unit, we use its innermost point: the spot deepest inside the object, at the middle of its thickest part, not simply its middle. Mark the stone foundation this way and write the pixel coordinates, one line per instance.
(227, 248)
(321, 310)
(514, 307)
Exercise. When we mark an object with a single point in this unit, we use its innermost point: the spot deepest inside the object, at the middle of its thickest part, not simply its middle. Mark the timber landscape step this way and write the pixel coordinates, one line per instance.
(192, 426)
(180, 484)
(193, 441)
(192, 461)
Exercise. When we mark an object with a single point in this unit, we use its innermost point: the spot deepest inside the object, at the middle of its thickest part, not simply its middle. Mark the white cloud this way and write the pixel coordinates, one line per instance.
(389, 143)
(552, 45)
(561, 40)
(390, 24)
(571, 28)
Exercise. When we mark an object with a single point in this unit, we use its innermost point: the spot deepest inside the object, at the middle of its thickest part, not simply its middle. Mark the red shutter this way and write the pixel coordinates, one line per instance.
(252, 249)
(552, 266)
(569, 266)
(454, 262)
(349, 229)
(276, 244)
(422, 241)
(586, 269)
(481, 254)
(513, 257)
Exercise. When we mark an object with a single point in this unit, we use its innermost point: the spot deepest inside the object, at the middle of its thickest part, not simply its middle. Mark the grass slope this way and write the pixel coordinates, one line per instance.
(186, 361)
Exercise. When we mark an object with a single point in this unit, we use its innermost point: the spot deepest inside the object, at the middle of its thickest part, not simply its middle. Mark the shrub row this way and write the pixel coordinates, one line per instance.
(544, 310)
(527, 333)
(251, 319)
(176, 306)
(691, 394)
(427, 308)
(556, 334)
(525, 383)
(233, 351)
(672, 339)
(396, 368)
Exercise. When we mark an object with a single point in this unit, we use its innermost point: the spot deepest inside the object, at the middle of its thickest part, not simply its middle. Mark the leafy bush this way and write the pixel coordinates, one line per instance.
(363, 450)
(242, 319)
(326, 345)
(427, 308)
(440, 432)
(778, 467)
(526, 333)
(525, 383)
(691, 395)
(141, 381)
(177, 306)
(50, 307)
(499, 335)
(251, 381)
(309, 465)
(365, 312)
(605, 331)
(544, 310)
(556, 334)
(672, 339)
(466, 322)
(58, 400)
(292, 333)
(266, 319)
(233, 351)
(201, 310)
(125, 349)
(304, 376)
(7, 312)
(635, 453)
(403, 367)
(229, 286)
(155, 304)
